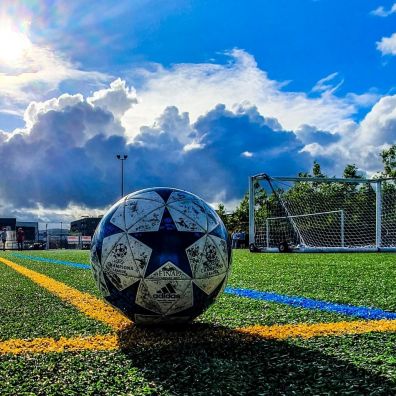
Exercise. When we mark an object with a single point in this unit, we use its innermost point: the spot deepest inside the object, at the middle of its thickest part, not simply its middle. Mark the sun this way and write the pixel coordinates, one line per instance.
(13, 44)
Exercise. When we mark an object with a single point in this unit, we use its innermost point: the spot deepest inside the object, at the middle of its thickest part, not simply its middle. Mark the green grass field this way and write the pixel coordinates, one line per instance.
(208, 357)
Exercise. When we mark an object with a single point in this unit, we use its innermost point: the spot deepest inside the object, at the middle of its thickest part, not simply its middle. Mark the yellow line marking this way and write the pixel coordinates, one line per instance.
(305, 330)
(86, 303)
(276, 332)
(45, 345)
(99, 310)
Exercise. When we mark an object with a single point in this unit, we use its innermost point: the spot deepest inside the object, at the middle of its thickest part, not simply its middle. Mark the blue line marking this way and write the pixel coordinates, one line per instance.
(308, 303)
(294, 301)
(53, 261)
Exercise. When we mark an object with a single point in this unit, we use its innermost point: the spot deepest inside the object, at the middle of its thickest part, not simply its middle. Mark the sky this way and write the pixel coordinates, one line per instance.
(199, 94)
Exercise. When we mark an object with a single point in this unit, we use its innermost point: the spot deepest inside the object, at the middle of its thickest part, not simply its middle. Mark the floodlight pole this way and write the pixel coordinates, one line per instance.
(122, 158)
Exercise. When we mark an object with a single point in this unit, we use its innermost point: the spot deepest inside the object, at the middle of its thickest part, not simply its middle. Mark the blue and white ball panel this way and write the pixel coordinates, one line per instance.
(143, 298)
(142, 215)
(98, 273)
(212, 218)
(178, 195)
(161, 255)
(168, 271)
(208, 257)
(209, 285)
(119, 258)
(170, 296)
(118, 217)
(108, 244)
(141, 253)
(120, 281)
(150, 195)
(188, 216)
(125, 253)
(184, 302)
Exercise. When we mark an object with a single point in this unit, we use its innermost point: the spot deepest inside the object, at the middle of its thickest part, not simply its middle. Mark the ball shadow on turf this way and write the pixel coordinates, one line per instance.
(201, 359)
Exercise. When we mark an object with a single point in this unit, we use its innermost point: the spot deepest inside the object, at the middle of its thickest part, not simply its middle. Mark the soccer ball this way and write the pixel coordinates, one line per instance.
(161, 255)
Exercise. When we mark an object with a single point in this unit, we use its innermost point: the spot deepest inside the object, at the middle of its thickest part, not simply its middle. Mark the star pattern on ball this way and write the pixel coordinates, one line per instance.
(161, 255)
(168, 245)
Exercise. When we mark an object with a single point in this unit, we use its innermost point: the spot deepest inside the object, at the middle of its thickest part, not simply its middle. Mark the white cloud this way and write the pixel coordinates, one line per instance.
(362, 142)
(184, 137)
(52, 216)
(116, 99)
(363, 100)
(194, 145)
(387, 45)
(34, 109)
(382, 12)
(197, 88)
(328, 84)
(38, 72)
(379, 125)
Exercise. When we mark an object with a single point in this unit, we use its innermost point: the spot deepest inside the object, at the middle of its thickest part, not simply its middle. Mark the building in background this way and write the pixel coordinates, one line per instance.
(11, 224)
(82, 231)
(30, 228)
(55, 238)
(85, 226)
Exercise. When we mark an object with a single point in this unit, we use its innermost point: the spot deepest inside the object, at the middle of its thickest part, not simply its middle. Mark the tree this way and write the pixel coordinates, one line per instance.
(317, 196)
(351, 172)
(240, 218)
(223, 215)
(388, 157)
(316, 170)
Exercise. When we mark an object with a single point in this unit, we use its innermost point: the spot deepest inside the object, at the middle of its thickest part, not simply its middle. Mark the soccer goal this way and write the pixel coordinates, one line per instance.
(310, 214)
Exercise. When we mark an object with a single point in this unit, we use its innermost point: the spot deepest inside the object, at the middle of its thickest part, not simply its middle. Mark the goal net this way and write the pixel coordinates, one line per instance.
(322, 214)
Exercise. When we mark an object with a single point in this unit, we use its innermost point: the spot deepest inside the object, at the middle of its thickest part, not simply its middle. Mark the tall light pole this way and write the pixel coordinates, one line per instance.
(122, 158)
(60, 241)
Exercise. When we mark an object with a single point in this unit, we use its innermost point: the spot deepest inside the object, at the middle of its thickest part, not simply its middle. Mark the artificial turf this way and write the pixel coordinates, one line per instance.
(366, 279)
(28, 311)
(209, 357)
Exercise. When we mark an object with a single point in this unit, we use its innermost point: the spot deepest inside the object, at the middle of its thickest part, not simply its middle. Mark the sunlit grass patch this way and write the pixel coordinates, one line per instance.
(234, 311)
(211, 357)
(366, 279)
(228, 310)
(77, 256)
(84, 302)
(75, 277)
(29, 311)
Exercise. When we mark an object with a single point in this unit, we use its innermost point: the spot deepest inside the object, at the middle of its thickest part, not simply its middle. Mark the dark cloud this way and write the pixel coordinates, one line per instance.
(229, 137)
(69, 156)
(309, 134)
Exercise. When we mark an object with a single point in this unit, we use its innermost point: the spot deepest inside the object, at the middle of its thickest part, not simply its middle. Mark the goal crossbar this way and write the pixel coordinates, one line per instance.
(264, 176)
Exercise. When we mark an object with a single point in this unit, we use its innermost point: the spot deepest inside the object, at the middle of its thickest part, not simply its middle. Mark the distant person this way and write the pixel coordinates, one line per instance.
(4, 237)
(242, 239)
(234, 239)
(20, 238)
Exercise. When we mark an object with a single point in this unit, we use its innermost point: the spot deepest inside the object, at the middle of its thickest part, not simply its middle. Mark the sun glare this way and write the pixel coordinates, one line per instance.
(13, 45)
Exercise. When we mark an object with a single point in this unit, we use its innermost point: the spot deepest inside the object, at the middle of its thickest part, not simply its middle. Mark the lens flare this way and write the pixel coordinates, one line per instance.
(13, 44)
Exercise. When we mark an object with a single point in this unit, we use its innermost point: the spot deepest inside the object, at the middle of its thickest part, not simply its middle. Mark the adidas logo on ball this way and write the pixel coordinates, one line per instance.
(167, 292)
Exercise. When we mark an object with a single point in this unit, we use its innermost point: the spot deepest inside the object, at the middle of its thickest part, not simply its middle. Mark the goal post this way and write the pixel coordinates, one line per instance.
(321, 214)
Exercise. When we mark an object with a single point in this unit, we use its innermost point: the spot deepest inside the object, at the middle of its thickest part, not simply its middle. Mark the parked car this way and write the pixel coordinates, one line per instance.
(37, 246)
